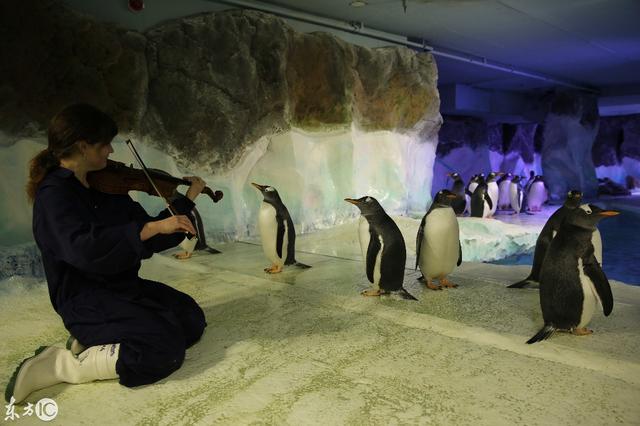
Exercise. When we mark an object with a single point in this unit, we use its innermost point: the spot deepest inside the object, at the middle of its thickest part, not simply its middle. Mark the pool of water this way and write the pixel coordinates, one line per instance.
(621, 248)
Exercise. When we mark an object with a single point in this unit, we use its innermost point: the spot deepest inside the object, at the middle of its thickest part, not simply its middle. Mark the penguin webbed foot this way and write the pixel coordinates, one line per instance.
(582, 331)
(273, 269)
(444, 282)
(432, 286)
(372, 292)
(183, 255)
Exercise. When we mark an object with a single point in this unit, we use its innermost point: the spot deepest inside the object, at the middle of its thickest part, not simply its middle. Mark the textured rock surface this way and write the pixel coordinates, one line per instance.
(206, 86)
(51, 56)
(570, 129)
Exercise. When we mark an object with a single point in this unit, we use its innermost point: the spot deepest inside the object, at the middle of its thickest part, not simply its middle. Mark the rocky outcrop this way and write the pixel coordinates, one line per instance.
(51, 56)
(570, 129)
(206, 86)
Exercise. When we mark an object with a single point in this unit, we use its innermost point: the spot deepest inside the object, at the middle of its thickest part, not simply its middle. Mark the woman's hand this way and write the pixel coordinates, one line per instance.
(169, 225)
(197, 185)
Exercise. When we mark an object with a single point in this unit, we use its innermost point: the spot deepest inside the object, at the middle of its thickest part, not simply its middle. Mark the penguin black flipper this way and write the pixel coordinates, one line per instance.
(279, 235)
(487, 198)
(372, 253)
(459, 254)
(593, 270)
(419, 239)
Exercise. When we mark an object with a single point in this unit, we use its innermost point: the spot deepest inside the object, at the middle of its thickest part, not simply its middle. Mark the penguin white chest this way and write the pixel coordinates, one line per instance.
(516, 197)
(537, 195)
(268, 228)
(591, 299)
(492, 189)
(440, 249)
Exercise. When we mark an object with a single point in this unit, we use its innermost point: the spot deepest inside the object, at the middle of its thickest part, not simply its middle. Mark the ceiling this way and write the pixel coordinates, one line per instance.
(590, 45)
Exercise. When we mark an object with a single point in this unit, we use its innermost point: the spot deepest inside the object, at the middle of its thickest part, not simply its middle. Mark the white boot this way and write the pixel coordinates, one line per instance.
(52, 365)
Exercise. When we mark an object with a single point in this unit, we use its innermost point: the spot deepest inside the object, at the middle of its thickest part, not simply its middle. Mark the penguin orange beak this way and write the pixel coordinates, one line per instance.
(451, 196)
(260, 187)
(608, 213)
(449, 174)
(351, 200)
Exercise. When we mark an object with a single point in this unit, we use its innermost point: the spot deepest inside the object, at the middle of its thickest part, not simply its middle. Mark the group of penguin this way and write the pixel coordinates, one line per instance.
(566, 266)
(482, 197)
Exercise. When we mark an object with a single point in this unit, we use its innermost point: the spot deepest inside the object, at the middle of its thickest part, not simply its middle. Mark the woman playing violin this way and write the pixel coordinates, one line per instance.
(92, 243)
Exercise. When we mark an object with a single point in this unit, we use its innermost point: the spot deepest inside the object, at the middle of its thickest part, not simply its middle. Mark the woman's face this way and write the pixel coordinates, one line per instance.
(96, 155)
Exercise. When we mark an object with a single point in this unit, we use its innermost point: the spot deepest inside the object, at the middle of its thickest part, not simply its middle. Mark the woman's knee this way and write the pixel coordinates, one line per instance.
(141, 364)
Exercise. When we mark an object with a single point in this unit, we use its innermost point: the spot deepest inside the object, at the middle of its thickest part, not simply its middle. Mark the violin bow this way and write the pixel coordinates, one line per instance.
(189, 243)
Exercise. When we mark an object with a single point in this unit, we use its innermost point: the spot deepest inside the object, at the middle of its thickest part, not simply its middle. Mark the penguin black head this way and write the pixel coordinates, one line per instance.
(268, 192)
(368, 206)
(443, 198)
(588, 216)
(538, 178)
(574, 197)
(492, 176)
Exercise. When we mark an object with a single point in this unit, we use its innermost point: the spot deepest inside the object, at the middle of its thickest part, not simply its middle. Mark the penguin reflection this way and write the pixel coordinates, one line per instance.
(276, 231)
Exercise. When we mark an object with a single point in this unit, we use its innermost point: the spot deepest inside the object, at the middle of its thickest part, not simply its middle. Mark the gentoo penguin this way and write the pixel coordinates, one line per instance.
(504, 201)
(493, 191)
(571, 279)
(458, 203)
(382, 248)
(276, 231)
(516, 194)
(438, 248)
(532, 176)
(547, 234)
(537, 194)
(481, 203)
(471, 186)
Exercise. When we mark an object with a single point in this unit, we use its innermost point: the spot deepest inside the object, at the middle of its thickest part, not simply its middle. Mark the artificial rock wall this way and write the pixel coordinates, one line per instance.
(204, 87)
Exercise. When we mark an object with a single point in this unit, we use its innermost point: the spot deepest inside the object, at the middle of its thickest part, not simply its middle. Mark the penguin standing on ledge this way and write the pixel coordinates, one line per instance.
(382, 248)
(493, 191)
(571, 279)
(458, 203)
(537, 194)
(504, 201)
(438, 248)
(547, 234)
(481, 203)
(276, 231)
(516, 194)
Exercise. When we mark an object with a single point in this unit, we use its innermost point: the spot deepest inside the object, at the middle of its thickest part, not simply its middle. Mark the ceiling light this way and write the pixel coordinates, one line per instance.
(358, 3)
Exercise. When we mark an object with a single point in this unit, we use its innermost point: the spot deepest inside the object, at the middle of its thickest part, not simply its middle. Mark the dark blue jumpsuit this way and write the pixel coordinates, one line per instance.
(91, 251)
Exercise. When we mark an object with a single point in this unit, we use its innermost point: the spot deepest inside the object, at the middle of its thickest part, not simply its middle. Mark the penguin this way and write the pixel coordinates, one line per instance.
(493, 191)
(277, 233)
(382, 248)
(471, 186)
(504, 201)
(457, 188)
(547, 234)
(571, 279)
(516, 194)
(438, 248)
(537, 194)
(481, 203)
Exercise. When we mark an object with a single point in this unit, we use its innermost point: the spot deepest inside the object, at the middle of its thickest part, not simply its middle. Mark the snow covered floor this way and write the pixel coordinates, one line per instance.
(303, 347)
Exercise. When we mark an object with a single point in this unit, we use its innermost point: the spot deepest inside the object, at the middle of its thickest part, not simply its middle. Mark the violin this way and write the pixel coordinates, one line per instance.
(118, 178)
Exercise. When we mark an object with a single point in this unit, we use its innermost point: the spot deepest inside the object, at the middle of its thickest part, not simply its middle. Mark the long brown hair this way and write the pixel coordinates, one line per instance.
(74, 123)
